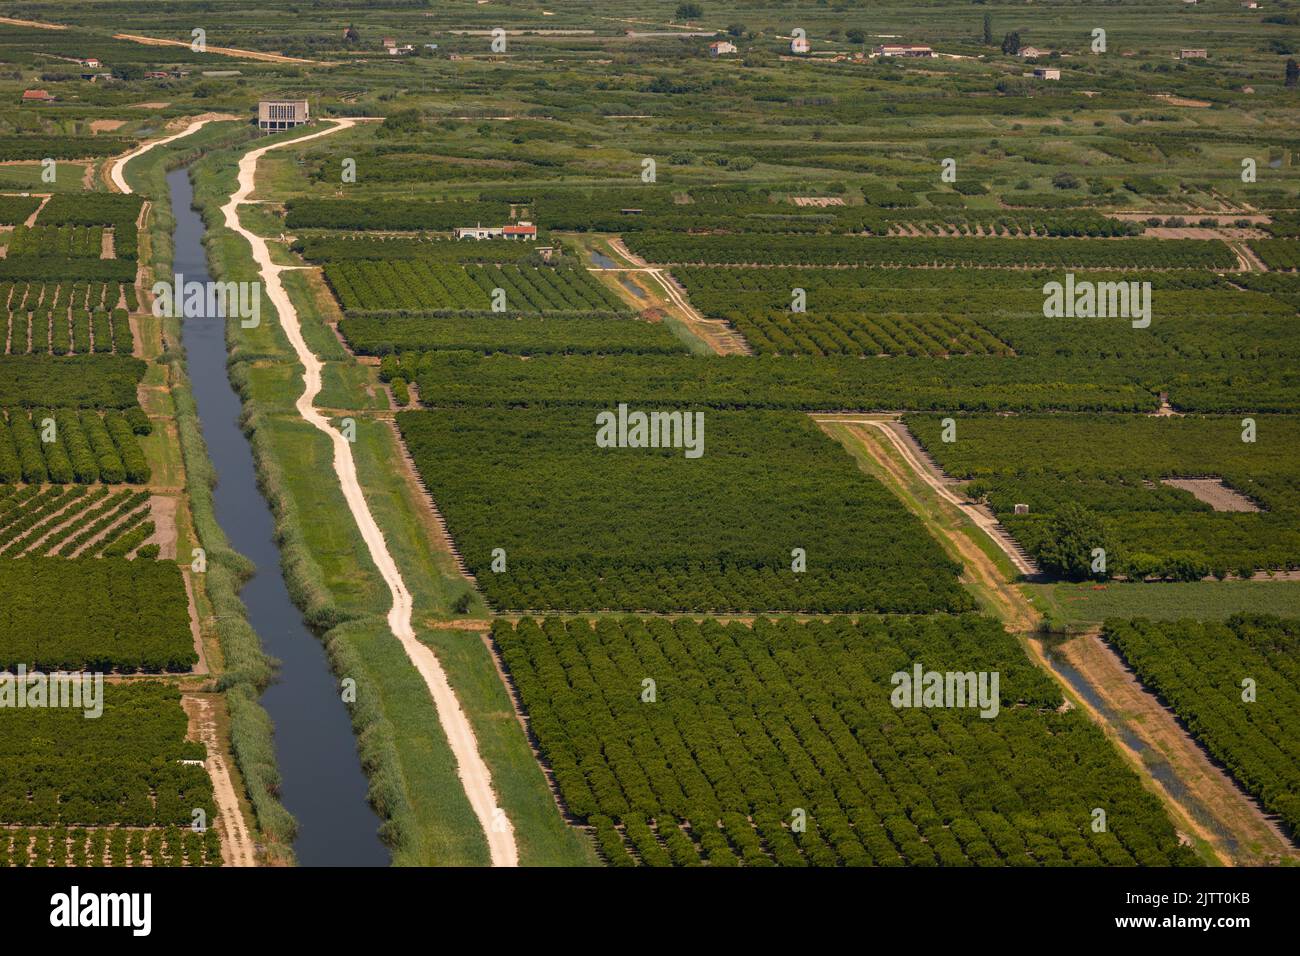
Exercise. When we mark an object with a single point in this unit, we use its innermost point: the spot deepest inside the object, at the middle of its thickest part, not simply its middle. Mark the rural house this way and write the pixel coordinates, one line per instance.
(37, 96)
(520, 230)
(1046, 73)
(477, 232)
(721, 47)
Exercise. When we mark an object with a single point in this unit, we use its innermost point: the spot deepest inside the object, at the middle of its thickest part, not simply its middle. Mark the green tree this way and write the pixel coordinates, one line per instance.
(988, 29)
(689, 11)
(1292, 73)
(1011, 43)
(856, 36)
(1072, 535)
(401, 123)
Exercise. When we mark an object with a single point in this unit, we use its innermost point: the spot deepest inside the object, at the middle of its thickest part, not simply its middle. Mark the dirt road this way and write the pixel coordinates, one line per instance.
(117, 171)
(221, 50)
(982, 519)
(473, 771)
(236, 844)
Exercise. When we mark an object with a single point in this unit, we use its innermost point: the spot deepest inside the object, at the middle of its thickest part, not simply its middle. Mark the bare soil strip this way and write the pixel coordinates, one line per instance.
(222, 50)
(236, 845)
(37, 24)
(31, 220)
(473, 771)
(1214, 493)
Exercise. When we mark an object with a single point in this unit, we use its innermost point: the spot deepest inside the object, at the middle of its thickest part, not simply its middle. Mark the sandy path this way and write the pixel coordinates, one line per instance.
(985, 521)
(117, 170)
(222, 50)
(473, 772)
(719, 336)
(236, 844)
(37, 24)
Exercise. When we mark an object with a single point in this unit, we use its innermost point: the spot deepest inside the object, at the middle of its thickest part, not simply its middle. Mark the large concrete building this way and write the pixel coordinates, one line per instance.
(275, 115)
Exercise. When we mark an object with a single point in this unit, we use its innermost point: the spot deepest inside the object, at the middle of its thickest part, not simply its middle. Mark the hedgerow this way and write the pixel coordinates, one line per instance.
(528, 335)
(91, 381)
(672, 248)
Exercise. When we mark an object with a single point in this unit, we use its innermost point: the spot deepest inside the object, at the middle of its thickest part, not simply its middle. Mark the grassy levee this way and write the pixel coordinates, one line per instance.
(413, 781)
(245, 669)
(1083, 606)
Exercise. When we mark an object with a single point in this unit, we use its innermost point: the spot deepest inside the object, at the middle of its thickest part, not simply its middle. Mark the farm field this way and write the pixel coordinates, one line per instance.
(1089, 603)
(661, 529)
(1208, 672)
(701, 774)
(1118, 471)
(580, 423)
(59, 766)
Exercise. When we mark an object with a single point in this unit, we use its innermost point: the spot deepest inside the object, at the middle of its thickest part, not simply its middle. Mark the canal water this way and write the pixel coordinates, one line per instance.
(322, 784)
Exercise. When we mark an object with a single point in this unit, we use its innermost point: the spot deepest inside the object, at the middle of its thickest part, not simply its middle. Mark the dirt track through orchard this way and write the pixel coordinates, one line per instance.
(473, 771)
(236, 845)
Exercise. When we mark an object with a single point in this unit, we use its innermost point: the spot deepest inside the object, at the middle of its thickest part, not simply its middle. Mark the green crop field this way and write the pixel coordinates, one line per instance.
(1235, 684)
(700, 773)
(1118, 468)
(584, 528)
(632, 393)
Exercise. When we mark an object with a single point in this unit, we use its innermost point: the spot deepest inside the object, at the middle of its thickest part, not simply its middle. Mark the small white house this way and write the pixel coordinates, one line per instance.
(721, 48)
(1046, 73)
(478, 232)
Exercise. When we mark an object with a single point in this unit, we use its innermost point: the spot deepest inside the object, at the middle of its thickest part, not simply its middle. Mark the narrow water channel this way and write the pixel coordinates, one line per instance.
(1155, 763)
(322, 784)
